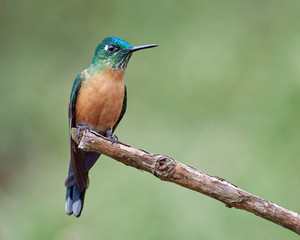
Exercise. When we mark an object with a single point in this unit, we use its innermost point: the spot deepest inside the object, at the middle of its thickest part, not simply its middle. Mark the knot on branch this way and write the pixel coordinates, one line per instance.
(164, 166)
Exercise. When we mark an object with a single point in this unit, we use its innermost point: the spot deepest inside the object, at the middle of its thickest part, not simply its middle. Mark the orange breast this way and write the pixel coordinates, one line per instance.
(100, 100)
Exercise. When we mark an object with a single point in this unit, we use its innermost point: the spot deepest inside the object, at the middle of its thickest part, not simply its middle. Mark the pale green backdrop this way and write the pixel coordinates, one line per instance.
(220, 93)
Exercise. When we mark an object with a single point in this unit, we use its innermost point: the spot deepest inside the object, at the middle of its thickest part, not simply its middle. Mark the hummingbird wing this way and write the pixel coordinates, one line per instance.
(78, 168)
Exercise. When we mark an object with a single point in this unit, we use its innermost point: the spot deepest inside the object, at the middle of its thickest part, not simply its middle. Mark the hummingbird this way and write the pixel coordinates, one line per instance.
(98, 102)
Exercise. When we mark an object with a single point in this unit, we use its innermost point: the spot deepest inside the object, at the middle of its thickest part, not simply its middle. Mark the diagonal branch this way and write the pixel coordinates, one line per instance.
(168, 169)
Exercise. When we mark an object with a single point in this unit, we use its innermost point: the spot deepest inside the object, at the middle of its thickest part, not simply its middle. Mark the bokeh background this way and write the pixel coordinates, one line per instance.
(220, 93)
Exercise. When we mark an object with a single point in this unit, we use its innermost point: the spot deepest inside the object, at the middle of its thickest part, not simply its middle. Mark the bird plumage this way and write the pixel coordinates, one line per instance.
(98, 101)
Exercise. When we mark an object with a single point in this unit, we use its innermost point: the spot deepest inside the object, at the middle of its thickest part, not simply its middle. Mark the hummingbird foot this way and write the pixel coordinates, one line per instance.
(113, 138)
(82, 127)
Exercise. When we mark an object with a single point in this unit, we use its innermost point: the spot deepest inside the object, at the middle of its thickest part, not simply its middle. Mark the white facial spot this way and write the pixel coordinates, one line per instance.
(106, 47)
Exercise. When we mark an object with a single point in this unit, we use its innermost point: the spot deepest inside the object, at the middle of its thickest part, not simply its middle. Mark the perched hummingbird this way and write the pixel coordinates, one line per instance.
(98, 102)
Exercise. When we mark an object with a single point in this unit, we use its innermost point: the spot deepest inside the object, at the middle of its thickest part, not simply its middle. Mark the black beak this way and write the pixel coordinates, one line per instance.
(141, 47)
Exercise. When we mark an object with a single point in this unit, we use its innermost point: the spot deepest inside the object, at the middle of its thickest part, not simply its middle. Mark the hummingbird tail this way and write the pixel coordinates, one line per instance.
(75, 196)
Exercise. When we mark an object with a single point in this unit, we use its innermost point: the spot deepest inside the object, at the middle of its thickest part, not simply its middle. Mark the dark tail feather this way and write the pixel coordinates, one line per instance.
(89, 160)
(75, 197)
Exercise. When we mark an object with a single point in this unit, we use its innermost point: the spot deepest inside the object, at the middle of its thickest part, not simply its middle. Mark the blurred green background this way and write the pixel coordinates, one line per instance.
(221, 93)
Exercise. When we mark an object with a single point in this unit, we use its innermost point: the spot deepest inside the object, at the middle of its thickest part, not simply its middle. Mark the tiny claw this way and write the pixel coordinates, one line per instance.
(114, 139)
(111, 137)
(82, 127)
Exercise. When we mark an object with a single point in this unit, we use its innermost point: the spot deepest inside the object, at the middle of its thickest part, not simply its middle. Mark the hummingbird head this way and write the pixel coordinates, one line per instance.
(115, 53)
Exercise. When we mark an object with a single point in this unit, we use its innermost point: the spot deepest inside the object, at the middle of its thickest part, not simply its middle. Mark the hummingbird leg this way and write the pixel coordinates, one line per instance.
(82, 127)
(111, 137)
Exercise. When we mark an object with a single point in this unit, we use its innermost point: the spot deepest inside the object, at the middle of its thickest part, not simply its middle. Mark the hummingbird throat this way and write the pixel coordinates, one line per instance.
(119, 63)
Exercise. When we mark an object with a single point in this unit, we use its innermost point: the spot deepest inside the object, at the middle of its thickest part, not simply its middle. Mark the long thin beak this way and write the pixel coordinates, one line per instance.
(141, 47)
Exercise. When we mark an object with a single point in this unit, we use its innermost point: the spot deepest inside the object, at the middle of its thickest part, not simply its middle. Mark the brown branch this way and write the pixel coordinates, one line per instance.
(168, 169)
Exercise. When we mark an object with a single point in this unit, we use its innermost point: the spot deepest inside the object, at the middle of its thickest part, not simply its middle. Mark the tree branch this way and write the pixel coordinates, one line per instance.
(168, 169)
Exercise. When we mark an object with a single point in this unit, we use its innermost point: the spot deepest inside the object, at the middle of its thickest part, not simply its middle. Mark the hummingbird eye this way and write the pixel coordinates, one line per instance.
(111, 48)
